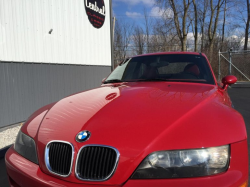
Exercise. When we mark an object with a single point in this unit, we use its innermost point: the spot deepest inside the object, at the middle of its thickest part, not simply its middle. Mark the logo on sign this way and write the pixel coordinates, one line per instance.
(95, 10)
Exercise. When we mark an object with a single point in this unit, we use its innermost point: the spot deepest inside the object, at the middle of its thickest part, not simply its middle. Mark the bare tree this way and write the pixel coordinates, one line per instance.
(203, 15)
(164, 36)
(242, 15)
(180, 12)
(216, 24)
(147, 24)
(224, 22)
(138, 40)
(195, 26)
(122, 39)
(213, 23)
(181, 29)
(247, 25)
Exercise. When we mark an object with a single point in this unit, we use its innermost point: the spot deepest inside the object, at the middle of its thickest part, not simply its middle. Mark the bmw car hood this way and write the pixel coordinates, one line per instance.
(140, 118)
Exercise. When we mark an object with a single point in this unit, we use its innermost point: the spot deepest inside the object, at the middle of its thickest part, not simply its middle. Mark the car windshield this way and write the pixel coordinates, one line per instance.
(174, 67)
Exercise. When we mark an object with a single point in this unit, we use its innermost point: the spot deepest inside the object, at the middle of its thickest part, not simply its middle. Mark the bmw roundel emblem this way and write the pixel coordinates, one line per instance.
(82, 136)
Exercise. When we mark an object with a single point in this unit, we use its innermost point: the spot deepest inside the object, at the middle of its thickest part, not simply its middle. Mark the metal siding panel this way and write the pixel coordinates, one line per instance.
(21, 91)
(8, 93)
(45, 81)
(67, 80)
(13, 91)
(64, 67)
(3, 30)
(24, 33)
(75, 86)
(38, 86)
(35, 85)
(72, 76)
(2, 93)
(88, 75)
(83, 77)
(59, 87)
(27, 87)
(52, 81)
(9, 32)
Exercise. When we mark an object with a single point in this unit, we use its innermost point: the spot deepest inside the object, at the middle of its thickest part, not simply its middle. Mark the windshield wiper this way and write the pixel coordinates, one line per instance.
(113, 81)
(138, 80)
(154, 79)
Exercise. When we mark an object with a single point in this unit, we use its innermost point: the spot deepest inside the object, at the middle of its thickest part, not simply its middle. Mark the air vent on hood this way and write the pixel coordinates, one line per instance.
(96, 162)
(59, 157)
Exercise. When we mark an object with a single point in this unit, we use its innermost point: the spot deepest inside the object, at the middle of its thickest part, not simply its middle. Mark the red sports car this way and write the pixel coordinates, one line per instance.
(157, 120)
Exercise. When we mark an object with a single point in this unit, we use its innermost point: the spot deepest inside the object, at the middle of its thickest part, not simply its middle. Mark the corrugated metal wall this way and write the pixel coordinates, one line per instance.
(25, 35)
(25, 87)
(37, 39)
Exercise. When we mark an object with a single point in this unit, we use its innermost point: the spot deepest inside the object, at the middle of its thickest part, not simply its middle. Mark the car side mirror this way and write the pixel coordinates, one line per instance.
(228, 80)
(103, 80)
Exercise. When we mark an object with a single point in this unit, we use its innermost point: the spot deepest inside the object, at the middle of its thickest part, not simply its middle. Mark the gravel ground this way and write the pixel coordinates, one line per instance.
(8, 136)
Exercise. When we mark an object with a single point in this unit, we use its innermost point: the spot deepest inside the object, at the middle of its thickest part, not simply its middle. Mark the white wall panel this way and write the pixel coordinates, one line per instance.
(25, 26)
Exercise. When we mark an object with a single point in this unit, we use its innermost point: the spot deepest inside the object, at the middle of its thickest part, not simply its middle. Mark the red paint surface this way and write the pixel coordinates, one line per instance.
(26, 173)
(230, 79)
(138, 118)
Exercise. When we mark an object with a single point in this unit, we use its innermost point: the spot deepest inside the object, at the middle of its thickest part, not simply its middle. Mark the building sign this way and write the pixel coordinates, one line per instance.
(95, 10)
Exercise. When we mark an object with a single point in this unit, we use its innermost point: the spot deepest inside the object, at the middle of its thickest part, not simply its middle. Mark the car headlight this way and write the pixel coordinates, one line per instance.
(183, 163)
(26, 147)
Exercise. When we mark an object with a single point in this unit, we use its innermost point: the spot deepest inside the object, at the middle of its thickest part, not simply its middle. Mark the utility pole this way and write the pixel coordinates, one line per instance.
(230, 60)
(219, 73)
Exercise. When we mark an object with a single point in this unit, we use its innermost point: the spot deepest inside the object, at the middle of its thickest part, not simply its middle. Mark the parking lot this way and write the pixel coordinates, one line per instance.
(241, 101)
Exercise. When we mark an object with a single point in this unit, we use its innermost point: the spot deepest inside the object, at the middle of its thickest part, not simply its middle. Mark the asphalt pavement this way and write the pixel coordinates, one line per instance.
(241, 101)
(3, 175)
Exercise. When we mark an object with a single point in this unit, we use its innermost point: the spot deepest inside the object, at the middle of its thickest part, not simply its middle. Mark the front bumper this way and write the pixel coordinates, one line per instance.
(23, 173)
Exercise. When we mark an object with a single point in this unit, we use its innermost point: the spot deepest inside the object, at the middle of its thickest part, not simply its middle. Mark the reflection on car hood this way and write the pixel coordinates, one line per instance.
(140, 118)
